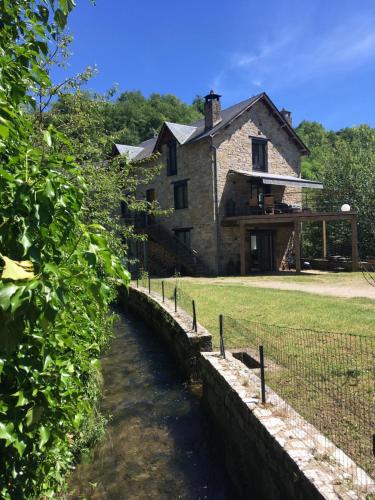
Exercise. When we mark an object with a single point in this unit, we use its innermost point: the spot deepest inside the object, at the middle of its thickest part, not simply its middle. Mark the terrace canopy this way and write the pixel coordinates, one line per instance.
(280, 180)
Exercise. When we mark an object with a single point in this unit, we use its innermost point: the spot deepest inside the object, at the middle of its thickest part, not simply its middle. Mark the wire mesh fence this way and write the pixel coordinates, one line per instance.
(328, 378)
(170, 290)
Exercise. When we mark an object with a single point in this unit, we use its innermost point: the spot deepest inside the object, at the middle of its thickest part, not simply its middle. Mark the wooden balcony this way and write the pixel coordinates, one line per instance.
(273, 216)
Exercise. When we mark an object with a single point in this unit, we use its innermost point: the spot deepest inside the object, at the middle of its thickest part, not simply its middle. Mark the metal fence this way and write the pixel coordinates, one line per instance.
(327, 377)
(171, 291)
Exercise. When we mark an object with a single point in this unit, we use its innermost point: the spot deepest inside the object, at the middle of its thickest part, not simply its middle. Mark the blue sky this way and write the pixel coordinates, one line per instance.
(314, 57)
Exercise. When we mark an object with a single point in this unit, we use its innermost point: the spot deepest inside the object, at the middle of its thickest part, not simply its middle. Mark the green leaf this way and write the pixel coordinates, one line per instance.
(33, 415)
(90, 257)
(20, 446)
(22, 400)
(48, 190)
(95, 363)
(2, 362)
(25, 242)
(7, 290)
(44, 436)
(20, 297)
(4, 131)
(66, 6)
(6, 432)
(51, 268)
(60, 18)
(6, 175)
(47, 137)
(47, 362)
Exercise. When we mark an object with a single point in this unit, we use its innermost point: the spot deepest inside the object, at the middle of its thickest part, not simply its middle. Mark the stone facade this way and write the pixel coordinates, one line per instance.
(205, 165)
(194, 165)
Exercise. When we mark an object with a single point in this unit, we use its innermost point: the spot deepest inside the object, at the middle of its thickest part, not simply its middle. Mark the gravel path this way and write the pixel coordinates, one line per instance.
(338, 290)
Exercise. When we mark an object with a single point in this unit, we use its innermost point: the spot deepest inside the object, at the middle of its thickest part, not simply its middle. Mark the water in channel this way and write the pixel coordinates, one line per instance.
(159, 443)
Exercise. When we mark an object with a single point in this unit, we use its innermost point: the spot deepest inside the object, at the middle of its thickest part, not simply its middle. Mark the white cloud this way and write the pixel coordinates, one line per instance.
(300, 54)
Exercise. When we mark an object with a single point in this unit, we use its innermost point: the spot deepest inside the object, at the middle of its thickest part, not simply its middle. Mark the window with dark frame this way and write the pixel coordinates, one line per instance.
(184, 235)
(172, 158)
(180, 195)
(259, 154)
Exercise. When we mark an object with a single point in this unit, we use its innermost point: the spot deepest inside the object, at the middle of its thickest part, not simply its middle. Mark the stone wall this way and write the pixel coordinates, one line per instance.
(175, 329)
(194, 163)
(234, 148)
(265, 453)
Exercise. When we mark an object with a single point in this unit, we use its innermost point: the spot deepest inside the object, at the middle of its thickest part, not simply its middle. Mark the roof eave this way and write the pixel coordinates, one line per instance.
(304, 150)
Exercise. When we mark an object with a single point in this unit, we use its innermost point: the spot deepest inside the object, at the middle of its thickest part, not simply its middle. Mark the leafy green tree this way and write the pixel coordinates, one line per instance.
(57, 274)
(345, 162)
(111, 181)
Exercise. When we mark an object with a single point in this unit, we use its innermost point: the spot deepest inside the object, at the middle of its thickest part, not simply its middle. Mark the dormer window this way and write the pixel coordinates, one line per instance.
(259, 154)
(172, 158)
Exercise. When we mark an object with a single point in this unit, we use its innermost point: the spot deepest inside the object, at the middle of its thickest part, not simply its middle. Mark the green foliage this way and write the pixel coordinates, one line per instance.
(345, 162)
(57, 273)
(83, 118)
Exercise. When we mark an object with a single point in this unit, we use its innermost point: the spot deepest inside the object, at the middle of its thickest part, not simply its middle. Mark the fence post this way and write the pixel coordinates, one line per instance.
(175, 299)
(194, 316)
(262, 377)
(149, 284)
(162, 289)
(222, 347)
(137, 281)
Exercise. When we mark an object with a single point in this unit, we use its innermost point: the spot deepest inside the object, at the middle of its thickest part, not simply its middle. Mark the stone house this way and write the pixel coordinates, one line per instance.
(234, 182)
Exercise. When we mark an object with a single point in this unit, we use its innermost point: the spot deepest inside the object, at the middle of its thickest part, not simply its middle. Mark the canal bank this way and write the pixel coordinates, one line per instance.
(159, 443)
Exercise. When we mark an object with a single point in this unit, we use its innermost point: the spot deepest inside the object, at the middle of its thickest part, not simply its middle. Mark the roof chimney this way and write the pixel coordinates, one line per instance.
(287, 115)
(212, 110)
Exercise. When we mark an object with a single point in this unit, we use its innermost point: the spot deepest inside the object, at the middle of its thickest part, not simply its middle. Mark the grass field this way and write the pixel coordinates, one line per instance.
(278, 307)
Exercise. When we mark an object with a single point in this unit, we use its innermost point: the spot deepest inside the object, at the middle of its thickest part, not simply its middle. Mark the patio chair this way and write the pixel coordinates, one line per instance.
(269, 205)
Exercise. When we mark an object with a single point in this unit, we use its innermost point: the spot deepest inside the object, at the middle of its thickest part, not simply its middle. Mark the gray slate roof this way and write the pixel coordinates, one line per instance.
(131, 151)
(186, 134)
(181, 132)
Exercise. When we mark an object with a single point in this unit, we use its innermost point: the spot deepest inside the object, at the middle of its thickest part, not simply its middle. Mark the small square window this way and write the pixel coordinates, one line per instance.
(180, 195)
(259, 154)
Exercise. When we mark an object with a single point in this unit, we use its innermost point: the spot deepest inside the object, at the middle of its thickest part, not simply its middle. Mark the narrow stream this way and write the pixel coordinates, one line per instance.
(159, 444)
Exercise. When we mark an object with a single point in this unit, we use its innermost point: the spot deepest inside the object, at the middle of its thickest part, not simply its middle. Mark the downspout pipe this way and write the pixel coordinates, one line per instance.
(216, 205)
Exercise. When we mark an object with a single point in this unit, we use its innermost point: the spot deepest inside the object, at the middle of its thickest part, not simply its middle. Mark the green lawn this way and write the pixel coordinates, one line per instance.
(280, 307)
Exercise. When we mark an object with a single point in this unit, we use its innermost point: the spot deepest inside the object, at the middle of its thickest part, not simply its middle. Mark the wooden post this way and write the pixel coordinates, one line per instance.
(242, 249)
(355, 257)
(324, 228)
(297, 245)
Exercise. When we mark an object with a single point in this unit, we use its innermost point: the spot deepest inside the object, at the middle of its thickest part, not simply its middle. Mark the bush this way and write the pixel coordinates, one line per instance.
(57, 279)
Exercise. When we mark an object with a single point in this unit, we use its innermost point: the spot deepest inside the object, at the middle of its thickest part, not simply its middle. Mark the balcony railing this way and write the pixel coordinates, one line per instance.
(243, 208)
